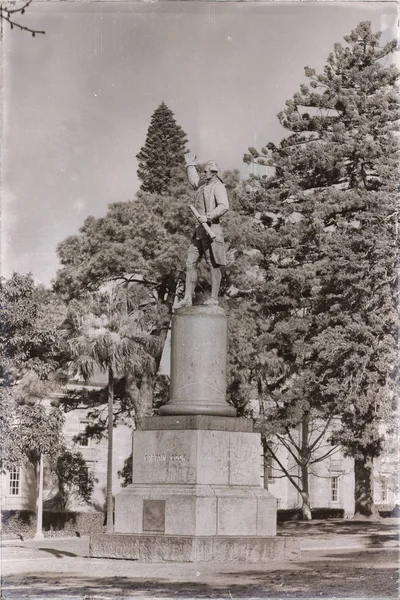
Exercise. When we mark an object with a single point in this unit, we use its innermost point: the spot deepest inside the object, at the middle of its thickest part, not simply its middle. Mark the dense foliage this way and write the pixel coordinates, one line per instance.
(31, 422)
(22, 524)
(105, 332)
(328, 248)
(74, 480)
(29, 357)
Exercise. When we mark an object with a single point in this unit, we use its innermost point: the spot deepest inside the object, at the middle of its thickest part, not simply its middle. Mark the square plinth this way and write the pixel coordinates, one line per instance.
(196, 510)
(196, 482)
(197, 456)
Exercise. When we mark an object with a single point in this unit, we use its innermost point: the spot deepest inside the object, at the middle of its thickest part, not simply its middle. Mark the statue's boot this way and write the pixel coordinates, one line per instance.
(186, 301)
(191, 278)
(215, 285)
(211, 302)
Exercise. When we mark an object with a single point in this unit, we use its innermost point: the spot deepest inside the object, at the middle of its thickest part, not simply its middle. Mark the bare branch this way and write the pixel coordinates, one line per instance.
(322, 434)
(297, 446)
(8, 14)
(284, 470)
(331, 452)
(134, 279)
(289, 449)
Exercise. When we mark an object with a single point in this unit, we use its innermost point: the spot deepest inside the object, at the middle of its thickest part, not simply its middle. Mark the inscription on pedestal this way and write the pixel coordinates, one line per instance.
(196, 456)
(157, 458)
(154, 515)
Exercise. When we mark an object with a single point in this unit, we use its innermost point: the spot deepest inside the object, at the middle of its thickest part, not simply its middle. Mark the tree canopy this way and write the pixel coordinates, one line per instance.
(106, 333)
(328, 229)
(29, 357)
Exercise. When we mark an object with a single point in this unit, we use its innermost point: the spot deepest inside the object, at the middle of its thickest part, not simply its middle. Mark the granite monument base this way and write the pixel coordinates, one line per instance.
(195, 510)
(218, 549)
(196, 495)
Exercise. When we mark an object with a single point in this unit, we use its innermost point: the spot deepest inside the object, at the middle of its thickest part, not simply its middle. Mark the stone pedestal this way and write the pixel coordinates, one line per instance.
(196, 492)
(196, 496)
(192, 481)
(198, 363)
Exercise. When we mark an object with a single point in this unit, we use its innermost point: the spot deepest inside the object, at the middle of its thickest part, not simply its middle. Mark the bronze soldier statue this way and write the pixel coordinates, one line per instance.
(211, 203)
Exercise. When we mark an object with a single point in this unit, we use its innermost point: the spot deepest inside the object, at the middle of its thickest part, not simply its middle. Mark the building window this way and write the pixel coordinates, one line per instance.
(83, 438)
(384, 489)
(83, 478)
(15, 481)
(335, 488)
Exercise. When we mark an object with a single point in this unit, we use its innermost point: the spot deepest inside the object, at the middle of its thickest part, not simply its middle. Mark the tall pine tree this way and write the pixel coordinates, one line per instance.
(162, 153)
(333, 272)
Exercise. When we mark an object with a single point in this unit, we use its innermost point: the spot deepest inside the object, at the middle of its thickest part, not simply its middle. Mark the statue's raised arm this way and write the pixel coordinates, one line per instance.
(193, 175)
(211, 202)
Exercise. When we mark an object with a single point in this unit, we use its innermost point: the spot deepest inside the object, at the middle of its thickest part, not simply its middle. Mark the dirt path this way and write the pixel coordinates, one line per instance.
(336, 562)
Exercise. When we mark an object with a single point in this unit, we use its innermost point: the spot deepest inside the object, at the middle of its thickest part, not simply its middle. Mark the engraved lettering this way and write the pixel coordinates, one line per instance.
(178, 458)
(175, 458)
(155, 457)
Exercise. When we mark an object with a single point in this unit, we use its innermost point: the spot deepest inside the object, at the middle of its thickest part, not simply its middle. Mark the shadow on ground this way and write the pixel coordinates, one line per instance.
(338, 527)
(57, 553)
(354, 575)
(379, 540)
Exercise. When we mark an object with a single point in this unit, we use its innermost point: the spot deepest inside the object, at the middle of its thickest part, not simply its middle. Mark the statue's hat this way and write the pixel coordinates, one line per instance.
(214, 167)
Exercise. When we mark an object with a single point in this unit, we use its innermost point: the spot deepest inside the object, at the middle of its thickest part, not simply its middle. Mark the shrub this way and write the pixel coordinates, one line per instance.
(22, 523)
(388, 510)
(18, 523)
(294, 514)
(327, 513)
(288, 514)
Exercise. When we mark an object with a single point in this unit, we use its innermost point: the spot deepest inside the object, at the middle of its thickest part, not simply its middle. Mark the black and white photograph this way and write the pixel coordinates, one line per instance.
(199, 299)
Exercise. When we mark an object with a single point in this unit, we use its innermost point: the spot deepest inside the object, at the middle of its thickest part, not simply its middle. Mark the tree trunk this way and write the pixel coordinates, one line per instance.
(364, 488)
(305, 507)
(305, 494)
(264, 441)
(39, 502)
(266, 455)
(109, 494)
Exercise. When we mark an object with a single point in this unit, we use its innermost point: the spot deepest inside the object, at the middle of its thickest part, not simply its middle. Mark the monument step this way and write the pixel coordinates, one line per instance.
(228, 549)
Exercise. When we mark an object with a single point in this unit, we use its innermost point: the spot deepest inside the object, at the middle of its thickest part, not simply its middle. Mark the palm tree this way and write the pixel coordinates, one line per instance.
(106, 333)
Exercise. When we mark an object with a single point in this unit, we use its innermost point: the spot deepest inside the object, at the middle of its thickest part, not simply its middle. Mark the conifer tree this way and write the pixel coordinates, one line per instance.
(162, 153)
(333, 273)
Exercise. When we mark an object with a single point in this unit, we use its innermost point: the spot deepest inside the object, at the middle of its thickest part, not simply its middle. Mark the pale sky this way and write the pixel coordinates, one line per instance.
(78, 100)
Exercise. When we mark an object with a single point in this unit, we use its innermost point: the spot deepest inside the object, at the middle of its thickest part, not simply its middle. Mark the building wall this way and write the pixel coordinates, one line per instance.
(320, 486)
(335, 470)
(95, 455)
(321, 480)
(26, 493)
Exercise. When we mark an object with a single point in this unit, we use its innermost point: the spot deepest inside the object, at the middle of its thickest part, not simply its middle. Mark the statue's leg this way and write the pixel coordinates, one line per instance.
(193, 257)
(216, 277)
